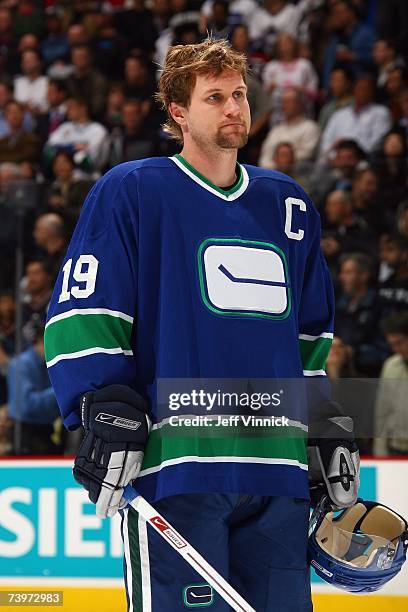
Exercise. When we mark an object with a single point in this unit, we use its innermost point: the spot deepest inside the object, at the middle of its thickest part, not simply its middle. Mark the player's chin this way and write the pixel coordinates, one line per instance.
(232, 141)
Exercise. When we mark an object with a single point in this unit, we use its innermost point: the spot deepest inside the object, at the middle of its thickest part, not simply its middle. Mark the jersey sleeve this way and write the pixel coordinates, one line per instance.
(316, 312)
(88, 335)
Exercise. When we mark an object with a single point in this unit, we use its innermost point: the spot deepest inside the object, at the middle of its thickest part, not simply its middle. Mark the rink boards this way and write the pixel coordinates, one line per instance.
(50, 538)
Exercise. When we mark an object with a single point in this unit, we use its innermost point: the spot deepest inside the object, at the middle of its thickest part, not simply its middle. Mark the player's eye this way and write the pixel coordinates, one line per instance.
(238, 94)
(214, 97)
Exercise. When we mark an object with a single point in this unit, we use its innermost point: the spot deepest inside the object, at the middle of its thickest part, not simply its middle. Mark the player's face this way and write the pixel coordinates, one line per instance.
(218, 115)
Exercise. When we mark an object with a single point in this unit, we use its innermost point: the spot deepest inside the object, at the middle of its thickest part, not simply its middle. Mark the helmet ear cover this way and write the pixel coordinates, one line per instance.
(347, 536)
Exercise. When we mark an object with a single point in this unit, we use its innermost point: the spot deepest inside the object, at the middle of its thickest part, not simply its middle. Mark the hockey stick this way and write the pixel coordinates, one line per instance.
(185, 549)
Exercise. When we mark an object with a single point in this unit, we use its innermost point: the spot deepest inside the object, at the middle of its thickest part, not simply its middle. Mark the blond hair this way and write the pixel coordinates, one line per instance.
(182, 65)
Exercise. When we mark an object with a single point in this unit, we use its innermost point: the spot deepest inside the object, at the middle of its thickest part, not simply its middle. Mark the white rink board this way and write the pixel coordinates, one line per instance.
(390, 478)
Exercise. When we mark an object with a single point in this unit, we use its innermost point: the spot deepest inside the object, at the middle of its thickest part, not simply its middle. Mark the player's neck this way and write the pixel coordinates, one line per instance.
(218, 168)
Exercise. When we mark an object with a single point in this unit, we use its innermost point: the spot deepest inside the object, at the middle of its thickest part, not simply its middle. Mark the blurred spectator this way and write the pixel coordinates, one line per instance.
(28, 42)
(55, 45)
(273, 17)
(402, 123)
(137, 27)
(7, 331)
(7, 319)
(50, 236)
(258, 100)
(394, 87)
(260, 113)
(67, 192)
(109, 48)
(19, 145)
(32, 401)
(47, 123)
(60, 70)
(218, 22)
(364, 121)
(77, 35)
(351, 43)
(386, 257)
(133, 140)
(161, 14)
(358, 311)
(31, 88)
(392, 21)
(6, 424)
(183, 28)
(348, 158)
(289, 70)
(9, 60)
(241, 42)
(341, 81)
(340, 360)
(185, 33)
(139, 80)
(390, 167)
(6, 95)
(343, 231)
(391, 419)
(284, 160)
(346, 162)
(386, 59)
(38, 289)
(114, 103)
(402, 219)
(29, 18)
(11, 174)
(85, 139)
(300, 131)
(87, 82)
(364, 195)
(240, 10)
(393, 288)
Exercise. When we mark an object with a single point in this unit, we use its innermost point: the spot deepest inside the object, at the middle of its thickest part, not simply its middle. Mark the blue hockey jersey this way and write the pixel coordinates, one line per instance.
(169, 276)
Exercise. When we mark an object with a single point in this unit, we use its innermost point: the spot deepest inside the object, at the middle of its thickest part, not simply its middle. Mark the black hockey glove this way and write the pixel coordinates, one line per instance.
(334, 460)
(117, 427)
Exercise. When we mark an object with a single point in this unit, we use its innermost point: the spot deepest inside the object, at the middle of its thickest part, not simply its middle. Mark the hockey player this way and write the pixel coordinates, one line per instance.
(198, 267)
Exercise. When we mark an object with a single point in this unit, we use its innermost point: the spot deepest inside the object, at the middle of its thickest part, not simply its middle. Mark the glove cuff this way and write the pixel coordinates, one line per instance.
(116, 414)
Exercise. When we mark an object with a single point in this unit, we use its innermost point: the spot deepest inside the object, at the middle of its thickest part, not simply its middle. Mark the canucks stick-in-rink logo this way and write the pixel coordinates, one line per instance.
(198, 595)
(244, 278)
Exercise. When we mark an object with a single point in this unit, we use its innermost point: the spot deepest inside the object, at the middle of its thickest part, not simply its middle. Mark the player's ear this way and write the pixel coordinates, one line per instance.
(177, 113)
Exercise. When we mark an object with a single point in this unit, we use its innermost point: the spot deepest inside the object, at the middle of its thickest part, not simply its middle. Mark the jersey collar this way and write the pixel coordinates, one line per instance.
(225, 194)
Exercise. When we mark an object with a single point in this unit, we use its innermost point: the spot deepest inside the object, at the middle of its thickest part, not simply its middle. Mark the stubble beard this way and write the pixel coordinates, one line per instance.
(233, 141)
(219, 141)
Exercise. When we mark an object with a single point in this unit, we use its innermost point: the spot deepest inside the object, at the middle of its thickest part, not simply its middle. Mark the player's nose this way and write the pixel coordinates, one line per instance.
(231, 107)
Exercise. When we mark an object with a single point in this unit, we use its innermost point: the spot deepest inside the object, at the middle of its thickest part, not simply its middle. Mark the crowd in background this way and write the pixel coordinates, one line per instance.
(328, 93)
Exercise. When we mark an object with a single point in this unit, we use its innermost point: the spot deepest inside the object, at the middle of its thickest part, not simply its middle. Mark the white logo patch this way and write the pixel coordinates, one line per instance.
(246, 279)
(111, 419)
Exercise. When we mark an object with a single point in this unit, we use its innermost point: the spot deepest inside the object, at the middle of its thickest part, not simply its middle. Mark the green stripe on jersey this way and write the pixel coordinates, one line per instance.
(174, 442)
(80, 332)
(314, 353)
